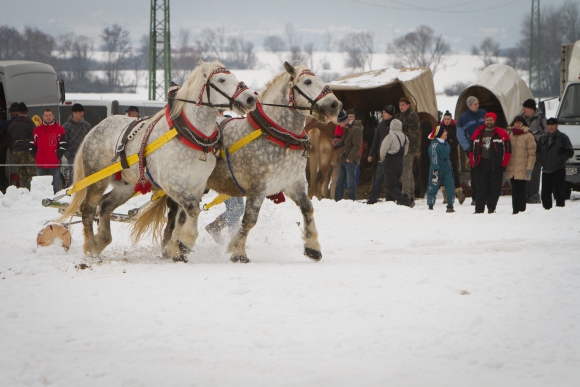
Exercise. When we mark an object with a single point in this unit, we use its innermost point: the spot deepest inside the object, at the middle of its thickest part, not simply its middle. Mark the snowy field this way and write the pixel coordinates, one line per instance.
(402, 297)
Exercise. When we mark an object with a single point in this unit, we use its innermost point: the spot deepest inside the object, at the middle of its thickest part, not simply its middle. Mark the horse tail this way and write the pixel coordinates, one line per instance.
(151, 221)
(79, 197)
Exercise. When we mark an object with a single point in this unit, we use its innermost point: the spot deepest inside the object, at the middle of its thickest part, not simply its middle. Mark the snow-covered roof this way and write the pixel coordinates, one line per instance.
(375, 78)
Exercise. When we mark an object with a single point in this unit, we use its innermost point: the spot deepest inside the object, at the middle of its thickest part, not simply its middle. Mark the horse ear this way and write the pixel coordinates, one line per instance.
(200, 62)
(215, 60)
(290, 69)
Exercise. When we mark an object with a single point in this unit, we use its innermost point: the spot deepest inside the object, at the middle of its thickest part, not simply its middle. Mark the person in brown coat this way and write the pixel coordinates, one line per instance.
(521, 164)
(449, 124)
(348, 156)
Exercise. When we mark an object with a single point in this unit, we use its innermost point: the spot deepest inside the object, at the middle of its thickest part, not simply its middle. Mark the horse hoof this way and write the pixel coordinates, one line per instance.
(180, 258)
(183, 248)
(312, 254)
(240, 258)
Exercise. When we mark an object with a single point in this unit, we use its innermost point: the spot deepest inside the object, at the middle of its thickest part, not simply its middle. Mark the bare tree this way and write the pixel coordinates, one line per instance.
(328, 40)
(488, 51)
(558, 25)
(274, 43)
(76, 51)
(292, 37)
(184, 58)
(117, 46)
(240, 54)
(11, 43)
(420, 48)
(358, 46)
(211, 44)
(309, 50)
(38, 46)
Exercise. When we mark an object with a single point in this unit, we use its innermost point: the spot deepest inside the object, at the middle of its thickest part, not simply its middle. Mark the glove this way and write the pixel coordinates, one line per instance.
(528, 174)
(435, 177)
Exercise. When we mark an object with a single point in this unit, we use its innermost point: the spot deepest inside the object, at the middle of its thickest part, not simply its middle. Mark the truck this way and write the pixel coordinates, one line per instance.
(568, 113)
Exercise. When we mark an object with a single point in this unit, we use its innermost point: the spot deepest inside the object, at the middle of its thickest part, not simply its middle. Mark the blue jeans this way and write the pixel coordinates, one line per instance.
(346, 172)
(378, 184)
(234, 211)
(54, 172)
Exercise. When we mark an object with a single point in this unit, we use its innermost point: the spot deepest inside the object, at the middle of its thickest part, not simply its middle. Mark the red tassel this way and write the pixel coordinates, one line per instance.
(278, 198)
(143, 187)
(118, 176)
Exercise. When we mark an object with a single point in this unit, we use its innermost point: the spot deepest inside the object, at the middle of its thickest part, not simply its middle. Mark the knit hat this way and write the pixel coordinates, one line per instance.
(552, 121)
(14, 106)
(77, 107)
(389, 109)
(530, 103)
(132, 109)
(396, 125)
(492, 115)
(521, 119)
(350, 111)
(436, 133)
(342, 116)
(22, 107)
(471, 100)
(405, 99)
(447, 113)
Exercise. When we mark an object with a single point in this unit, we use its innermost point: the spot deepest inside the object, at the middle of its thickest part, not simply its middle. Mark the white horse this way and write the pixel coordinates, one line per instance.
(274, 163)
(180, 167)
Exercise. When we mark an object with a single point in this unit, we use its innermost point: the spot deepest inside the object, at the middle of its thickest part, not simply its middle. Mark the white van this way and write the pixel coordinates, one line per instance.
(97, 110)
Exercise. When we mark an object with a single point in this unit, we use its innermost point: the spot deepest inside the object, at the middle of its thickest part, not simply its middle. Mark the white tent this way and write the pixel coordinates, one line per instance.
(372, 90)
(499, 89)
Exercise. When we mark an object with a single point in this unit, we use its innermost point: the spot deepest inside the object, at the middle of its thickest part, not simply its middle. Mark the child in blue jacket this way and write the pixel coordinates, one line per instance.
(440, 171)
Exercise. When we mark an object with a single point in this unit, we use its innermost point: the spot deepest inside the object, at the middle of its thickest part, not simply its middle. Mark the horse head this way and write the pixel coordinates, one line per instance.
(212, 84)
(308, 90)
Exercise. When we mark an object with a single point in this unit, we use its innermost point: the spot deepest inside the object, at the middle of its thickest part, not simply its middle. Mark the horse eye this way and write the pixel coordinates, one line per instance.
(307, 82)
(221, 80)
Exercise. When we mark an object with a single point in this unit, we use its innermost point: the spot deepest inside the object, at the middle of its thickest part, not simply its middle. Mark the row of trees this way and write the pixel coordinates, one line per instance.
(72, 55)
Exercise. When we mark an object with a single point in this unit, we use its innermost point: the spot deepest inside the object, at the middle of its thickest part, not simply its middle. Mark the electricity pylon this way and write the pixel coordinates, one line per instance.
(159, 50)
(535, 48)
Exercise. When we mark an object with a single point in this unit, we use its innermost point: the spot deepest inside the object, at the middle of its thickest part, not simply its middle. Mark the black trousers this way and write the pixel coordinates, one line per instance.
(392, 176)
(519, 195)
(488, 186)
(456, 181)
(554, 182)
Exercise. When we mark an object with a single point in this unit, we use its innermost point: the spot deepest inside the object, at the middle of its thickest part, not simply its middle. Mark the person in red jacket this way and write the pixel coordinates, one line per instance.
(489, 155)
(48, 146)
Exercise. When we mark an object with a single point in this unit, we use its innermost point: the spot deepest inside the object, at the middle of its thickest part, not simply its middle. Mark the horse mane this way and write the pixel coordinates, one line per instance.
(191, 89)
(283, 77)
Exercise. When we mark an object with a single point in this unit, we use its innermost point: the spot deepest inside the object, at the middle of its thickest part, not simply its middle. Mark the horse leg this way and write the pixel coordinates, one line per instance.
(335, 168)
(120, 194)
(237, 245)
(88, 211)
(185, 232)
(313, 164)
(310, 235)
(325, 165)
(168, 231)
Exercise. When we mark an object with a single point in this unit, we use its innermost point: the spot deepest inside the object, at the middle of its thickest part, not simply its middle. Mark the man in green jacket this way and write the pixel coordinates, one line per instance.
(410, 121)
(348, 156)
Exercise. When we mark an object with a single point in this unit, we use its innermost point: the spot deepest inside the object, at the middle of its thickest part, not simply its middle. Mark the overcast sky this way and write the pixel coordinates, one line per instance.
(463, 22)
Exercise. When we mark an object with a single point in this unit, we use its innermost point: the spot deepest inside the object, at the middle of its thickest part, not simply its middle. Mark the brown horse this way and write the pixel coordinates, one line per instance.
(321, 169)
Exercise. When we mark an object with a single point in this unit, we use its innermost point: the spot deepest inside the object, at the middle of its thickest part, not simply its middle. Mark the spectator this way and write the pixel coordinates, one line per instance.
(554, 149)
(4, 141)
(133, 112)
(76, 129)
(448, 123)
(19, 137)
(380, 134)
(348, 157)
(393, 149)
(521, 164)
(410, 121)
(467, 124)
(441, 170)
(491, 154)
(537, 124)
(48, 145)
(230, 218)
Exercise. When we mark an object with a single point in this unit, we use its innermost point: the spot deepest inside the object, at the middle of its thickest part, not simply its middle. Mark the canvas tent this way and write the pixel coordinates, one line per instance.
(499, 89)
(372, 90)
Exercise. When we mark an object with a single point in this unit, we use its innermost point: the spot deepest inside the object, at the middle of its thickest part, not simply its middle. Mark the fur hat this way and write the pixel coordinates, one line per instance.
(471, 100)
(14, 106)
(492, 115)
(22, 107)
(77, 107)
(389, 109)
(530, 103)
(552, 121)
(521, 119)
(350, 111)
(404, 99)
(342, 116)
(436, 133)
(396, 125)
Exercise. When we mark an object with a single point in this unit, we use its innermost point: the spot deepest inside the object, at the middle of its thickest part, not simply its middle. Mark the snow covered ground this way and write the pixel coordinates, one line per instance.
(402, 297)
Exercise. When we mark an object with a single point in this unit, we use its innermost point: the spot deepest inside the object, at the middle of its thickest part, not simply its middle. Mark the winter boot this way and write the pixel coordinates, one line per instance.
(459, 194)
(444, 193)
(450, 209)
(214, 229)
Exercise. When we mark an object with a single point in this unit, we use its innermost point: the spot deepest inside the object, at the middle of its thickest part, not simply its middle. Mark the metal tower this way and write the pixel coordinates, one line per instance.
(159, 50)
(535, 49)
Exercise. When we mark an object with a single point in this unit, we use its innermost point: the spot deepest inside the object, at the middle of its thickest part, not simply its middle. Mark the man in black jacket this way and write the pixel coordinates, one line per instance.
(380, 134)
(19, 138)
(4, 141)
(76, 129)
(553, 150)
